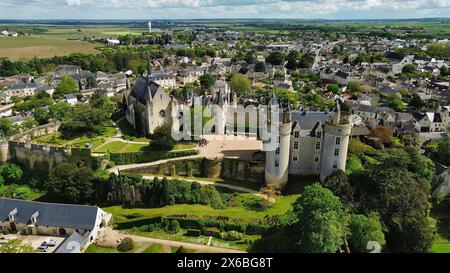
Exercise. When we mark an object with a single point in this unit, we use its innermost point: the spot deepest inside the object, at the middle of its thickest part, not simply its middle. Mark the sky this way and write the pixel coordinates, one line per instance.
(207, 9)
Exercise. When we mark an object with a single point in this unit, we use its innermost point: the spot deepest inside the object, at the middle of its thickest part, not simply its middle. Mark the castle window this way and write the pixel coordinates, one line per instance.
(317, 145)
(319, 134)
(336, 152)
(316, 159)
(335, 166)
(296, 145)
(296, 134)
(277, 164)
(338, 141)
(277, 151)
(295, 158)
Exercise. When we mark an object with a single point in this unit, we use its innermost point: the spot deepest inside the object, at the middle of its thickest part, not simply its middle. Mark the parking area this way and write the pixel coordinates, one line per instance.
(43, 244)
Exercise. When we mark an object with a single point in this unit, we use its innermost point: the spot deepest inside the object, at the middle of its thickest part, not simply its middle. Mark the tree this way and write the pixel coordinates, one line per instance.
(16, 246)
(7, 128)
(29, 123)
(417, 102)
(364, 229)
(174, 226)
(442, 153)
(66, 86)
(250, 57)
(383, 133)
(260, 67)
(333, 88)
(340, 185)
(409, 69)
(322, 223)
(60, 110)
(11, 173)
(162, 138)
(207, 81)
(91, 82)
(240, 84)
(276, 58)
(126, 244)
(293, 60)
(354, 87)
(41, 116)
(70, 183)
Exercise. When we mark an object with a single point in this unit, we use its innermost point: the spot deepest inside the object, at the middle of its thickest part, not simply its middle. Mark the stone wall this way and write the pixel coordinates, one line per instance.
(43, 130)
(252, 171)
(37, 156)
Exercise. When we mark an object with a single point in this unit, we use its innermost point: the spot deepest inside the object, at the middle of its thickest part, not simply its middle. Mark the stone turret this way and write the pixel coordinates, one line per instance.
(337, 131)
(277, 158)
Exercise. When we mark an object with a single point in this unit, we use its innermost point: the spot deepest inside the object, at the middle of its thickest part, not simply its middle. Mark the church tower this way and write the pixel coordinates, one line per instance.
(277, 159)
(337, 131)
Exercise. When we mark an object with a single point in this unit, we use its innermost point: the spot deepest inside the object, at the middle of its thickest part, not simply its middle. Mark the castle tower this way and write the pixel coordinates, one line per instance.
(337, 131)
(277, 160)
(220, 114)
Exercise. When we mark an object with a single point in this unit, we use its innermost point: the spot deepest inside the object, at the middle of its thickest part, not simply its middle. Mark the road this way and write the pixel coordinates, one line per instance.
(111, 237)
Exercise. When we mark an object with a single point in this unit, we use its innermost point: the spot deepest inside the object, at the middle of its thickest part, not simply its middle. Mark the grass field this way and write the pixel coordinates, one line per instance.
(101, 249)
(282, 205)
(441, 216)
(20, 191)
(26, 48)
(154, 248)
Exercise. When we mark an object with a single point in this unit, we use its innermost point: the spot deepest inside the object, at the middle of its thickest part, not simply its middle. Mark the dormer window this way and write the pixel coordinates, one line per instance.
(34, 217)
(319, 134)
(296, 134)
(12, 214)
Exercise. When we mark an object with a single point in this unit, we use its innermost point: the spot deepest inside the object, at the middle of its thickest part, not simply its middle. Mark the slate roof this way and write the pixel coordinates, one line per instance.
(143, 93)
(307, 120)
(56, 215)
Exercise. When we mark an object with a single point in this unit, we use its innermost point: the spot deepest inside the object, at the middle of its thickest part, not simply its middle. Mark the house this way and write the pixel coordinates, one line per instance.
(46, 219)
(166, 80)
(22, 90)
(71, 99)
(6, 110)
(190, 75)
(68, 70)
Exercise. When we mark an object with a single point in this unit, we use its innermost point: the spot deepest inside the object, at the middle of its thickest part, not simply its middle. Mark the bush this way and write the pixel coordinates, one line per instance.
(127, 244)
(212, 231)
(145, 157)
(174, 226)
(232, 236)
(193, 233)
(147, 228)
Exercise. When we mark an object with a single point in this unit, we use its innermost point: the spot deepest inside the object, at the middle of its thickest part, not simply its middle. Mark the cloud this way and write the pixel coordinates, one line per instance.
(174, 9)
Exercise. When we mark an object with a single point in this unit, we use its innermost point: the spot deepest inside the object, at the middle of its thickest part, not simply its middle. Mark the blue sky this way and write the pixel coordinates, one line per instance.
(194, 9)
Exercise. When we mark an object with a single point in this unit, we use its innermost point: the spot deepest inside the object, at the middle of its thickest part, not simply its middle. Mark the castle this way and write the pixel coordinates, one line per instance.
(309, 143)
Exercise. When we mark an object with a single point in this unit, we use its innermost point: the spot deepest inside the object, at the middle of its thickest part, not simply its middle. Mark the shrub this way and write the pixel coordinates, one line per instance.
(212, 231)
(147, 228)
(193, 233)
(125, 245)
(174, 226)
(232, 236)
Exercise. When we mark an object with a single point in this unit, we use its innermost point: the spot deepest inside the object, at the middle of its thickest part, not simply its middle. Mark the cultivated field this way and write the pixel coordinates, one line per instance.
(26, 48)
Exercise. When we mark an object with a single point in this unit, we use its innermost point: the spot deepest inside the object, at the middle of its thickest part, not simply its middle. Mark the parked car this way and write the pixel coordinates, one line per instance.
(50, 242)
(43, 248)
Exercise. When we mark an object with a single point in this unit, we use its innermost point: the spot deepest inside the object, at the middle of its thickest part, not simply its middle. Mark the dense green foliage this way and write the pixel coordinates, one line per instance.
(365, 229)
(71, 184)
(162, 138)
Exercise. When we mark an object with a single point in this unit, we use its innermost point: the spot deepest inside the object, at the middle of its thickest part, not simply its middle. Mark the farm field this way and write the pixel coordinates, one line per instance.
(26, 48)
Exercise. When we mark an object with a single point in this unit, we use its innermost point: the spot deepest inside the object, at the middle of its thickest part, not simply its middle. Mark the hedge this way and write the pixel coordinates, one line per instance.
(139, 223)
(193, 233)
(150, 156)
(186, 223)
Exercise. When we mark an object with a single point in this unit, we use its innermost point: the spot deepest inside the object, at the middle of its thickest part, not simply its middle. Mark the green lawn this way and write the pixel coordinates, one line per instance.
(282, 205)
(55, 139)
(101, 249)
(20, 192)
(154, 248)
(121, 147)
(441, 219)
